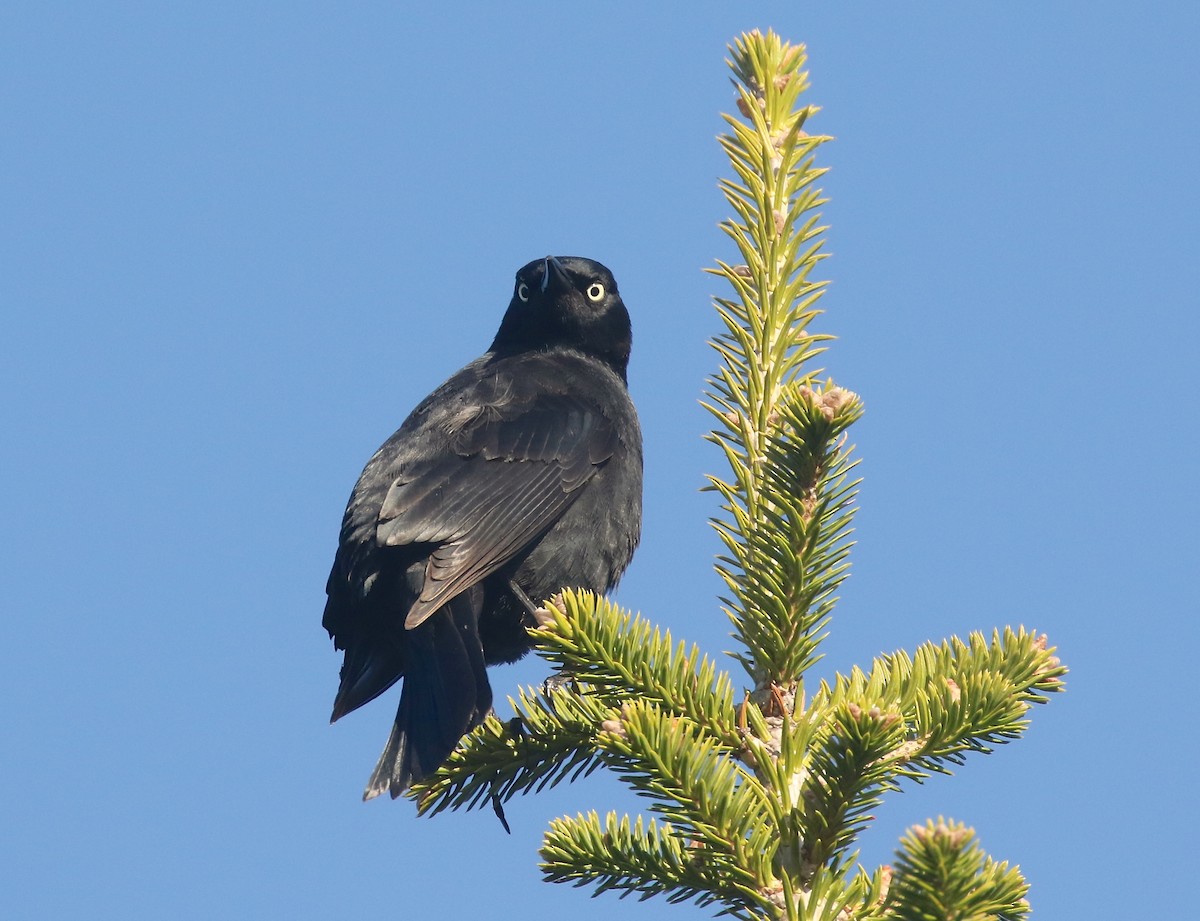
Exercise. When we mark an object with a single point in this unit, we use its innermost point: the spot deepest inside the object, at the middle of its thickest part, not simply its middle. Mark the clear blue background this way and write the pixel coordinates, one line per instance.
(238, 241)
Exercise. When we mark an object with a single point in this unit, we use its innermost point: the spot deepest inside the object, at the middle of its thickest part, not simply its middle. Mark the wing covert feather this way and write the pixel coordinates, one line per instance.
(515, 469)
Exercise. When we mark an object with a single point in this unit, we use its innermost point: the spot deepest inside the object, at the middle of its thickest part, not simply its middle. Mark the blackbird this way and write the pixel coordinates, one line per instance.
(519, 476)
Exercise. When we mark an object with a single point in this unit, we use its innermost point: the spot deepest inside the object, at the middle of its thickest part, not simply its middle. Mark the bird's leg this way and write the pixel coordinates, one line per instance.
(523, 598)
(562, 678)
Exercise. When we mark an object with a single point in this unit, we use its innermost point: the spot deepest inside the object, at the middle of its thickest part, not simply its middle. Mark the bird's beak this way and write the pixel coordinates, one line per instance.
(552, 266)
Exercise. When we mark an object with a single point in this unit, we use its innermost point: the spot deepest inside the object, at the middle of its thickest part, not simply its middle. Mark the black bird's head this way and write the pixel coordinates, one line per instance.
(567, 302)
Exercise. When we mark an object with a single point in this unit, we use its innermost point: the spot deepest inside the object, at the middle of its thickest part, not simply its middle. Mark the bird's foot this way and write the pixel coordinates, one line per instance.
(559, 681)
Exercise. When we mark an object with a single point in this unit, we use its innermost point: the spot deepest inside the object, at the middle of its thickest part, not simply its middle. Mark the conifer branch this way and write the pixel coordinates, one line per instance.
(941, 872)
(788, 504)
(760, 801)
(954, 697)
(608, 657)
(624, 657)
(847, 772)
(692, 783)
(552, 738)
(786, 562)
(646, 858)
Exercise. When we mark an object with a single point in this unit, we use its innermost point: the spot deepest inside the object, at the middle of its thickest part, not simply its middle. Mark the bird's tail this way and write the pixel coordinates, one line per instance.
(445, 695)
(369, 669)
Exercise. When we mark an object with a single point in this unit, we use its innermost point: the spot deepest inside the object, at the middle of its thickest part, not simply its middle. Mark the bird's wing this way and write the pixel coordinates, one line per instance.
(516, 466)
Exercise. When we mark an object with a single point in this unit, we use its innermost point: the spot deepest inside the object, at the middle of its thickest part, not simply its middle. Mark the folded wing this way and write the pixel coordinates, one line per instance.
(514, 470)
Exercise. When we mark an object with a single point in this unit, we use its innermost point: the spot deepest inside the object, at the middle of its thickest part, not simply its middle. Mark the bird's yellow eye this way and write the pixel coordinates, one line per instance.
(596, 291)
(523, 292)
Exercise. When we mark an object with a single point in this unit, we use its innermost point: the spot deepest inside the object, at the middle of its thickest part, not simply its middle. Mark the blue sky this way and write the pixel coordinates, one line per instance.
(241, 240)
